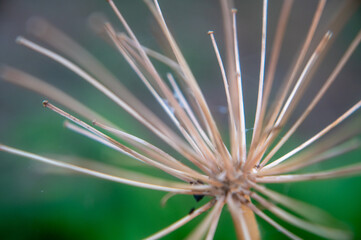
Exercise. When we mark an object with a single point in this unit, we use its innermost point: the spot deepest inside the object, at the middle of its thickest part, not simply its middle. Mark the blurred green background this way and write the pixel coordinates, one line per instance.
(41, 202)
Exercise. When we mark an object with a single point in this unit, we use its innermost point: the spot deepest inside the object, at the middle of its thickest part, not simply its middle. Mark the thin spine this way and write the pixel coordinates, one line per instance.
(202, 147)
(231, 71)
(292, 75)
(276, 50)
(241, 129)
(165, 198)
(27, 81)
(73, 50)
(228, 96)
(200, 231)
(201, 151)
(71, 66)
(177, 173)
(79, 130)
(238, 217)
(272, 222)
(159, 80)
(214, 223)
(181, 221)
(226, 6)
(154, 54)
(305, 210)
(190, 79)
(148, 63)
(335, 28)
(315, 56)
(175, 66)
(316, 136)
(307, 161)
(92, 172)
(145, 147)
(118, 171)
(22, 79)
(258, 123)
(317, 98)
(335, 173)
(287, 110)
(326, 232)
(227, 162)
(159, 154)
(183, 101)
(63, 43)
(90, 135)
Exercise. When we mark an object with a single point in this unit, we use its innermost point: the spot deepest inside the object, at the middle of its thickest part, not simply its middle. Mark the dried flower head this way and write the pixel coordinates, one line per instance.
(233, 176)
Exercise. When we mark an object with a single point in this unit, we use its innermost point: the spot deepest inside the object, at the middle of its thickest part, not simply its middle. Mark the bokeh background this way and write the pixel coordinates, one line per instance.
(41, 202)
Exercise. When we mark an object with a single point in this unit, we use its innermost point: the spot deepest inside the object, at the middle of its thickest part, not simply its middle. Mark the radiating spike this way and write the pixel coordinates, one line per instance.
(99, 86)
(232, 117)
(311, 159)
(257, 127)
(336, 173)
(241, 120)
(200, 231)
(120, 147)
(276, 49)
(326, 232)
(305, 210)
(317, 98)
(242, 229)
(181, 221)
(187, 190)
(344, 116)
(289, 79)
(189, 77)
(129, 58)
(273, 223)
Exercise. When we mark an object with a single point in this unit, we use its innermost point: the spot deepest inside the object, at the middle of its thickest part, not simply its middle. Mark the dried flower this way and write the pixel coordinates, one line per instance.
(232, 177)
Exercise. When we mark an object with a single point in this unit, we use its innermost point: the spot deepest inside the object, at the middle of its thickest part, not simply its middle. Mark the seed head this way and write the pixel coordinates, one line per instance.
(227, 176)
